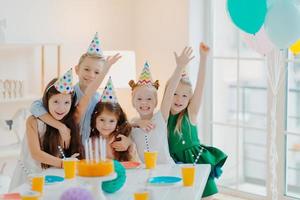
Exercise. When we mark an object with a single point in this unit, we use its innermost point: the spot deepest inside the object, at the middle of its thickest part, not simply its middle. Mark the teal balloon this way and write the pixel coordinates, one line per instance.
(248, 15)
(282, 23)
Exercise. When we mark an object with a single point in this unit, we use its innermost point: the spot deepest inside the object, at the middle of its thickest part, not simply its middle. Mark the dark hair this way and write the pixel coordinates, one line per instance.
(123, 127)
(51, 139)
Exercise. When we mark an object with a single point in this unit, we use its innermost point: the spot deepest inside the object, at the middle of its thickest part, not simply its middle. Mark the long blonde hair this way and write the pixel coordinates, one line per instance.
(178, 127)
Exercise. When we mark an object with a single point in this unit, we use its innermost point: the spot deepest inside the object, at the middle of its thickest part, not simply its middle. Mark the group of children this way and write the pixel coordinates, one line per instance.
(67, 116)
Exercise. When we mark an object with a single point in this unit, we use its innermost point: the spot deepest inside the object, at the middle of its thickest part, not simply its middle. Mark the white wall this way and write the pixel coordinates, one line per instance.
(71, 23)
(161, 27)
(68, 21)
(153, 29)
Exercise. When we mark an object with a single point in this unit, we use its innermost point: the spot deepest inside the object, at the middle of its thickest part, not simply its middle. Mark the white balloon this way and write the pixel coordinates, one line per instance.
(282, 23)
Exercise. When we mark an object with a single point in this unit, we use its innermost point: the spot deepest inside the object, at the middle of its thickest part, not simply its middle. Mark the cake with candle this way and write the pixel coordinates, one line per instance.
(95, 164)
(88, 168)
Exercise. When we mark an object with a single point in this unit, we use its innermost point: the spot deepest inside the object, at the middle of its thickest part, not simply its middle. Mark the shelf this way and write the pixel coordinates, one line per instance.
(17, 100)
(18, 45)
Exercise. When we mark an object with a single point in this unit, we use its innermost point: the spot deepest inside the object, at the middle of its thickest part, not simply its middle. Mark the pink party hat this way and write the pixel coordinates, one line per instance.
(108, 94)
(94, 48)
(64, 83)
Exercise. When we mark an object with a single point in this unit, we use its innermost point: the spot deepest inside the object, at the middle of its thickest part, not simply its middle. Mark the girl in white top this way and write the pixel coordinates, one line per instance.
(144, 100)
(40, 145)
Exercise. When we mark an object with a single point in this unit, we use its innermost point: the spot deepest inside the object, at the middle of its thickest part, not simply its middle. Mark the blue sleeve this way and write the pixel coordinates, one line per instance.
(37, 108)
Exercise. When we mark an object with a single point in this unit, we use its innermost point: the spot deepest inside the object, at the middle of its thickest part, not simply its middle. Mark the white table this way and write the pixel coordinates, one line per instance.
(136, 180)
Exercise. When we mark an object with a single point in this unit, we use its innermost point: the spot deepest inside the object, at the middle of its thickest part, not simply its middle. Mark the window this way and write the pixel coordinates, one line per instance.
(238, 110)
(239, 93)
(292, 131)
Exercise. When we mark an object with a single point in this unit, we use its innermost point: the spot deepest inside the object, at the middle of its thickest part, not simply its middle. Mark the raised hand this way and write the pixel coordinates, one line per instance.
(110, 60)
(184, 58)
(196, 100)
(203, 49)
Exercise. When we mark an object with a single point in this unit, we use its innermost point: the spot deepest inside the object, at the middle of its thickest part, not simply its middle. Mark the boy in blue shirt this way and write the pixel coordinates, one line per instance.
(87, 69)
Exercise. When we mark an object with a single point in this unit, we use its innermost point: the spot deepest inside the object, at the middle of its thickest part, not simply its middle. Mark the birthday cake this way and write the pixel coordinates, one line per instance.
(95, 169)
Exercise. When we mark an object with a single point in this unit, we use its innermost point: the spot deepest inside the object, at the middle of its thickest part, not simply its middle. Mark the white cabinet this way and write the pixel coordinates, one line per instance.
(27, 64)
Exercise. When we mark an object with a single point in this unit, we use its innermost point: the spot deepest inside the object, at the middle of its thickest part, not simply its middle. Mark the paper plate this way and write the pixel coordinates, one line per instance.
(130, 164)
(164, 180)
(49, 179)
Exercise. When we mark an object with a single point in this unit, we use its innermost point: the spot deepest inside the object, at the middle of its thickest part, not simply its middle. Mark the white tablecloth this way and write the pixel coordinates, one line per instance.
(136, 180)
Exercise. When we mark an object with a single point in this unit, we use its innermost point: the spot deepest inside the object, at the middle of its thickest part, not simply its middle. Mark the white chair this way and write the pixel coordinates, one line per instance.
(11, 134)
(4, 180)
(13, 129)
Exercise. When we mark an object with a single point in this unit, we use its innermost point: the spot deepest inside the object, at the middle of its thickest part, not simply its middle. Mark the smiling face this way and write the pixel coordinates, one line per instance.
(181, 98)
(144, 100)
(59, 105)
(88, 69)
(106, 123)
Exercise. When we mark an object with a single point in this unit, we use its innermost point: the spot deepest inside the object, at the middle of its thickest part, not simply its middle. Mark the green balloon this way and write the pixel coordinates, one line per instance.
(116, 184)
(248, 15)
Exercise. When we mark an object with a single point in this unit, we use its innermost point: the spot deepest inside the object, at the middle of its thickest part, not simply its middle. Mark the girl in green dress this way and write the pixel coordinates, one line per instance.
(184, 144)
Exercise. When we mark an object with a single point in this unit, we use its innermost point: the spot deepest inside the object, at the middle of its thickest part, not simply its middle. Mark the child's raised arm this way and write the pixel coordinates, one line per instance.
(92, 88)
(196, 100)
(181, 62)
(34, 145)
